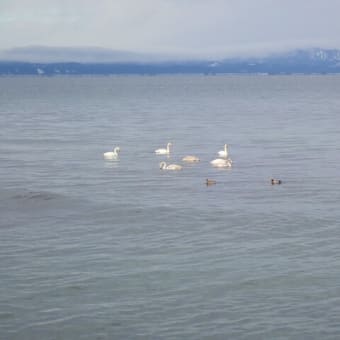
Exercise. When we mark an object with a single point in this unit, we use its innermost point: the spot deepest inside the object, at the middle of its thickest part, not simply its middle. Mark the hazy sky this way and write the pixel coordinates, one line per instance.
(205, 27)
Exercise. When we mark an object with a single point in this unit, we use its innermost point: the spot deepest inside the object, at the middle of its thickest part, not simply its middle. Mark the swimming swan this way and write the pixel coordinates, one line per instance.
(164, 151)
(190, 159)
(224, 153)
(163, 166)
(221, 163)
(112, 154)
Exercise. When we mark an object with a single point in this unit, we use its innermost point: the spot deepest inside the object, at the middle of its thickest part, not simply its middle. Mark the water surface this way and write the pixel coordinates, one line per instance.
(95, 249)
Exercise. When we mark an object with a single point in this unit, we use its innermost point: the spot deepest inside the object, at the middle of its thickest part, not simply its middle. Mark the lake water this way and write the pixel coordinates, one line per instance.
(96, 249)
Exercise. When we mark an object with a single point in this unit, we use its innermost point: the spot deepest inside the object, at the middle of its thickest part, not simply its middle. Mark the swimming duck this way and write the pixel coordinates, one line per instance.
(210, 181)
(275, 181)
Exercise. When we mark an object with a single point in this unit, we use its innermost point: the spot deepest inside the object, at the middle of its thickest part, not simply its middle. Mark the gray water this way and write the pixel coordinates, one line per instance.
(96, 249)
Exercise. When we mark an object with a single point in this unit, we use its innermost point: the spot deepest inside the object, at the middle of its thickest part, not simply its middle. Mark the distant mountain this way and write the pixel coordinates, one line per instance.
(92, 61)
(43, 54)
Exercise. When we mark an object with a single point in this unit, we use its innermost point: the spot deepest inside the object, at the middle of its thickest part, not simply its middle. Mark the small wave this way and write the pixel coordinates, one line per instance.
(74, 287)
(36, 195)
(24, 197)
(6, 315)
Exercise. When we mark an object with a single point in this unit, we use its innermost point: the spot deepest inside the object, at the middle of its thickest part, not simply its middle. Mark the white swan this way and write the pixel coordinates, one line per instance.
(190, 159)
(221, 163)
(224, 153)
(164, 151)
(112, 154)
(163, 166)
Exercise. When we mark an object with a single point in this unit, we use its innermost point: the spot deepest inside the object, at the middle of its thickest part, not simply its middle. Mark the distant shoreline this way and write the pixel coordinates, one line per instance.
(68, 61)
(17, 75)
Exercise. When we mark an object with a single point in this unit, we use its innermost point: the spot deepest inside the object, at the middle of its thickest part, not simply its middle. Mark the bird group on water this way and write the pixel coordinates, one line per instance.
(222, 162)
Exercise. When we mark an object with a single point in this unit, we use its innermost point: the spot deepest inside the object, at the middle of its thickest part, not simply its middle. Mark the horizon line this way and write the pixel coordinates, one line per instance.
(51, 54)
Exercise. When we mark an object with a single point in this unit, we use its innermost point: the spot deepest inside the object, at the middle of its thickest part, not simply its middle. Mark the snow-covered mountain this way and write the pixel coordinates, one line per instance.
(53, 61)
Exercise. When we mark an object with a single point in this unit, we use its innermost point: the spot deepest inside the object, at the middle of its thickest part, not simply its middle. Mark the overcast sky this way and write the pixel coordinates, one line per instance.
(202, 27)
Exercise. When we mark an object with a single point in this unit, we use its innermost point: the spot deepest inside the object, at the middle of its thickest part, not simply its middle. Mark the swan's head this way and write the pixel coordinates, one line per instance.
(162, 165)
(116, 149)
(229, 162)
(169, 144)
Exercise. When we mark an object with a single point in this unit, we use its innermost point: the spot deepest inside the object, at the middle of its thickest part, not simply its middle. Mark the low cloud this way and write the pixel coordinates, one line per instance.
(213, 28)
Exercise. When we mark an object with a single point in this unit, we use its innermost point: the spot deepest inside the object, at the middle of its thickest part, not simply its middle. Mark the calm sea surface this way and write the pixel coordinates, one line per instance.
(96, 249)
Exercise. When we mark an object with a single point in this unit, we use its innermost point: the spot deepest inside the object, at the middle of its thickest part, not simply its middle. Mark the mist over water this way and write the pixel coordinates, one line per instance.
(97, 249)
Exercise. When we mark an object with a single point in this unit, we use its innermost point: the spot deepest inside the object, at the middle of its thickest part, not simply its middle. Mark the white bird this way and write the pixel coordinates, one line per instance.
(221, 163)
(163, 166)
(190, 159)
(224, 153)
(112, 154)
(164, 151)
